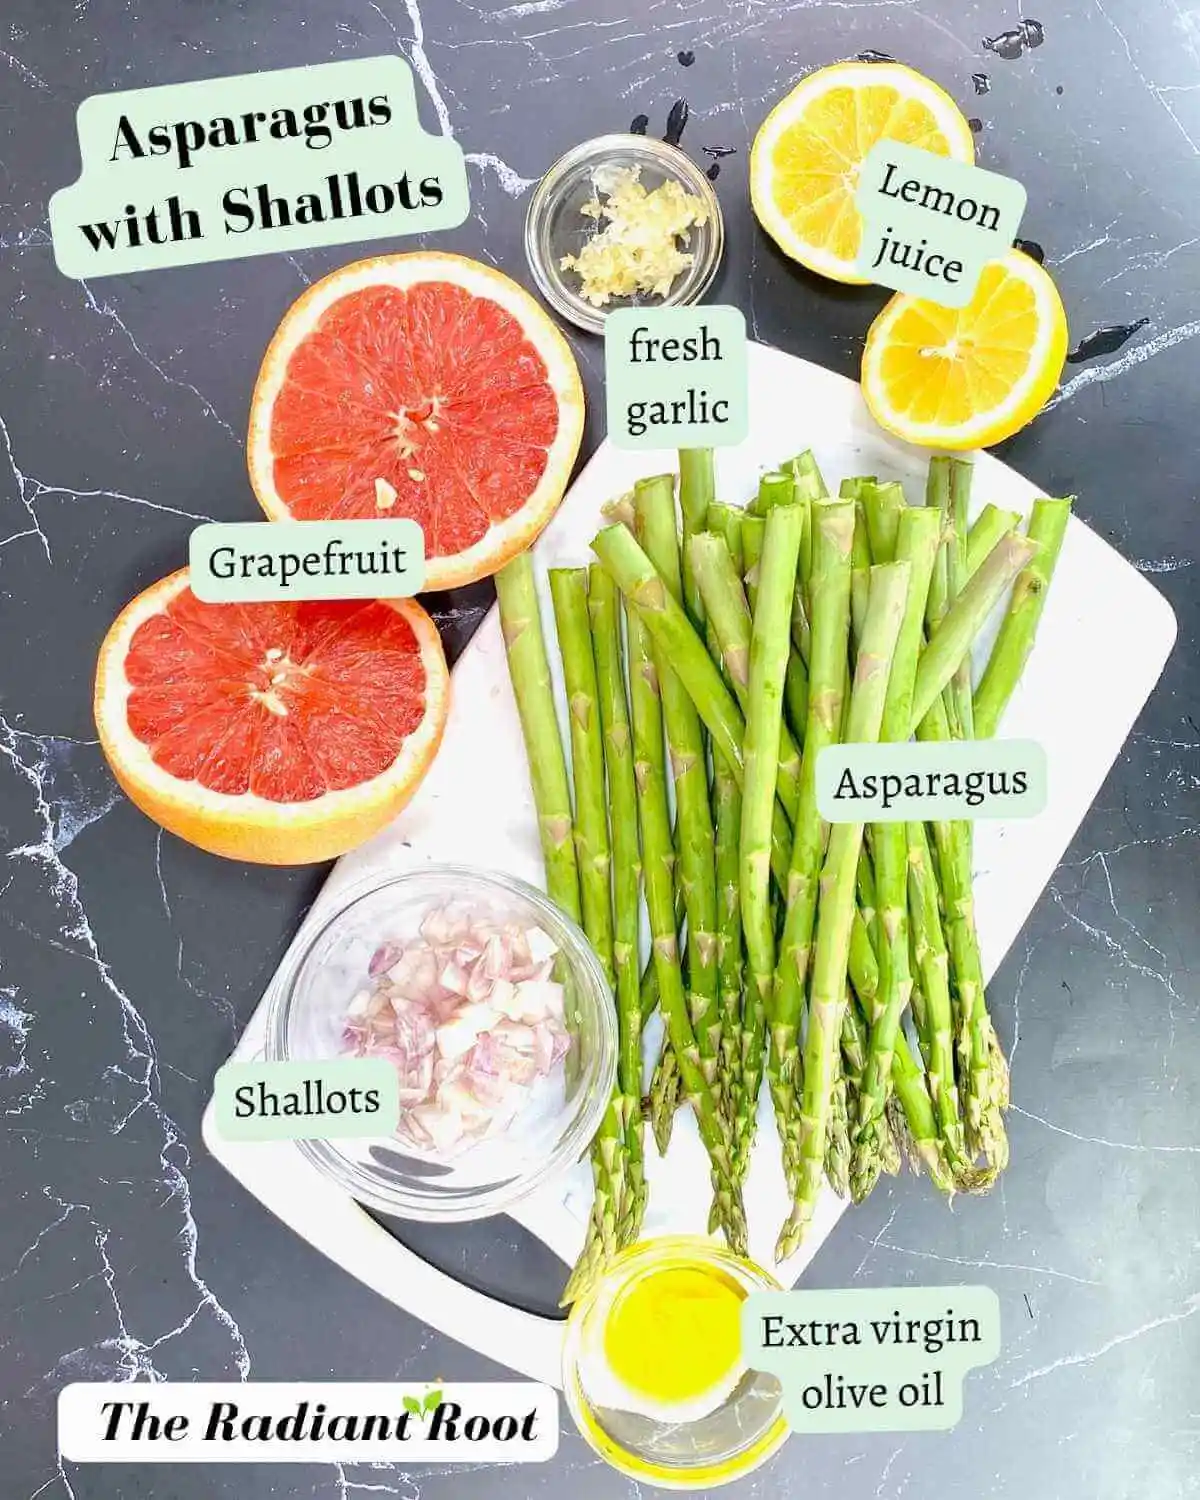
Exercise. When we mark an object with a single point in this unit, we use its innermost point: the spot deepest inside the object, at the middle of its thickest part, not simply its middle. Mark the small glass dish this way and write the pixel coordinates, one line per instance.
(727, 1443)
(555, 225)
(307, 1016)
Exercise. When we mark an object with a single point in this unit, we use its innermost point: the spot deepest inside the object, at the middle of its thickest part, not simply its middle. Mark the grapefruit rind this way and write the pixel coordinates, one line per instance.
(247, 826)
(504, 539)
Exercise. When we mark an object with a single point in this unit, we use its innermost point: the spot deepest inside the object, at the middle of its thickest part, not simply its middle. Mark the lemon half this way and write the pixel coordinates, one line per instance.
(968, 377)
(806, 157)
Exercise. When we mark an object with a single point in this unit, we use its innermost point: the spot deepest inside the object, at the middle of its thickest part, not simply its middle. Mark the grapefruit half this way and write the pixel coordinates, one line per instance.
(277, 733)
(425, 386)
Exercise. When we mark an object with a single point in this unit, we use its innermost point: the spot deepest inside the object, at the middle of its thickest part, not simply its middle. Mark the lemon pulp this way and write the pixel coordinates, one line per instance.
(675, 1333)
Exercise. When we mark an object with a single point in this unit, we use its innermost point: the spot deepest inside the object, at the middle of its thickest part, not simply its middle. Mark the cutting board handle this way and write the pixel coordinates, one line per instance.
(292, 1189)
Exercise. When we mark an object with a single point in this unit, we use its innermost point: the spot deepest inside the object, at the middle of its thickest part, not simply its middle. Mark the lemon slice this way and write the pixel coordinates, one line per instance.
(806, 156)
(968, 377)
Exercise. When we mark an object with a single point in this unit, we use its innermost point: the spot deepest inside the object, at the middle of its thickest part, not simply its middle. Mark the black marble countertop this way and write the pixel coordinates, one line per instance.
(129, 961)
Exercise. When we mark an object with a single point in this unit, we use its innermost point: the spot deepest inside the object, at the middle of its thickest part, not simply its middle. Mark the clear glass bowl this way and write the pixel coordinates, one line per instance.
(728, 1443)
(307, 1014)
(555, 227)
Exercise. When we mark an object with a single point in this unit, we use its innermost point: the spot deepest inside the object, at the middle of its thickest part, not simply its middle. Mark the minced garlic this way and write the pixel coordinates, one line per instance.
(638, 250)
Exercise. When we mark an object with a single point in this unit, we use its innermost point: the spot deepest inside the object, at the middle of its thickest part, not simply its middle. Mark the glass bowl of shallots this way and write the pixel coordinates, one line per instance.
(495, 1013)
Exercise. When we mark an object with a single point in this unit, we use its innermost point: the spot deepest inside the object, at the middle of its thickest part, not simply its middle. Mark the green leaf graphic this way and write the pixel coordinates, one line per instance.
(411, 1404)
(433, 1400)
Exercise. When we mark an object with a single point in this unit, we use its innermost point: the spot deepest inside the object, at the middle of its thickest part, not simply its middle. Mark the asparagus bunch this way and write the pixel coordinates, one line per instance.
(753, 641)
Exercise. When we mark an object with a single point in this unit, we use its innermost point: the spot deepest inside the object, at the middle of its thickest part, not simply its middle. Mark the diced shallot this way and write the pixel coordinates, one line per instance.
(456, 1037)
(473, 1104)
(443, 1127)
(495, 959)
(416, 1073)
(383, 958)
(486, 1055)
(470, 1015)
(539, 998)
(479, 986)
(359, 1006)
(377, 1004)
(444, 927)
(552, 1044)
(540, 944)
(518, 942)
(415, 973)
(454, 978)
(505, 998)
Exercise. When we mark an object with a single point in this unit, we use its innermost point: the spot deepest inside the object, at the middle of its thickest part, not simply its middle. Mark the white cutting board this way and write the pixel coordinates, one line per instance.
(1105, 638)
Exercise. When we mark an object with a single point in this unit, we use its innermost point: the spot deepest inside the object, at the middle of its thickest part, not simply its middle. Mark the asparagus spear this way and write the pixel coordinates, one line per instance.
(921, 1142)
(654, 504)
(781, 487)
(833, 526)
(529, 669)
(769, 649)
(753, 531)
(993, 523)
(916, 543)
(776, 487)
(649, 988)
(726, 521)
(648, 998)
(853, 1060)
(937, 498)
(839, 1148)
(732, 629)
(982, 1073)
(664, 1096)
(795, 697)
(936, 1021)
(568, 592)
(805, 467)
(860, 566)
(727, 814)
(809, 488)
(882, 506)
(1047, 528)
(919, 1133)
(961, 472)
(658, 860)
(603, 605)
(950, 643)
(881, 628)
(801, 606)
(697, 490)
